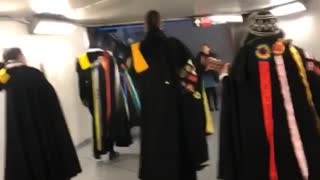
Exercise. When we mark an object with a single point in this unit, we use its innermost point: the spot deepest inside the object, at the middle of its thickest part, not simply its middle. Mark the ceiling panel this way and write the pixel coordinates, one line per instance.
(17, 8)
(124, 11)
(84, 3)
(95, 12)
(234, 6)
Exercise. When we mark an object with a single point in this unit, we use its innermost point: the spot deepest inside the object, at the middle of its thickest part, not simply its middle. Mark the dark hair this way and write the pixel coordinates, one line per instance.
(153, 20)
(11, 54)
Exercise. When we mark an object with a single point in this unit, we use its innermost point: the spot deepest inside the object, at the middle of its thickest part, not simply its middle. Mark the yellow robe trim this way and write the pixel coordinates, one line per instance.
(302, 71)
(4, 77)
(139, 63)
(96, 112)
(84, 61)
(85, 64)
(209, 119)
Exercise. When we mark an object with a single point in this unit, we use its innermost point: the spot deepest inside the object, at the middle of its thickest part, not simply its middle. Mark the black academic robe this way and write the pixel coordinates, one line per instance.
(86, 94)
(173, 144)
(38, 143)
(116, 129)
(244, 149)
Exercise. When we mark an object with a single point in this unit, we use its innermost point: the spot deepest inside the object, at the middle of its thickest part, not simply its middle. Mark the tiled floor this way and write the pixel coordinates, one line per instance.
(126, 167)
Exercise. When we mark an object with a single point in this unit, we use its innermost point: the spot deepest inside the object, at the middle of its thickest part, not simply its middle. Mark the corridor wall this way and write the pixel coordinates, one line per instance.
(304, 27)
(56, 54)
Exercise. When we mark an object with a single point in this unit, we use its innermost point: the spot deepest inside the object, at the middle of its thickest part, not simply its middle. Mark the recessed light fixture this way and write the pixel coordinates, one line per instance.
(288, 9)
(53, 27)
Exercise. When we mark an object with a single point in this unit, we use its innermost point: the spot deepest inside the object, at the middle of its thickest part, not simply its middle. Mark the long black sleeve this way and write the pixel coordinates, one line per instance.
(227, 152)
(83, 82)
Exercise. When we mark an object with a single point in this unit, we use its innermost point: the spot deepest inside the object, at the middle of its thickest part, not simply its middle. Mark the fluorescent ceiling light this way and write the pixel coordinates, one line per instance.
(227, 18)
(279, 2)
(51, 27)
(9, 6)
(288, 9)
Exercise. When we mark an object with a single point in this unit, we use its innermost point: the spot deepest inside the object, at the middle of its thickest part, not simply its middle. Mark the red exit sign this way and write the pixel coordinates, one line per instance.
(203, 22)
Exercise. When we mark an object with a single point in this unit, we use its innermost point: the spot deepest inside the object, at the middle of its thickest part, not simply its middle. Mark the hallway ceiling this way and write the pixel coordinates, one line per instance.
(17, 8)
(95, 12)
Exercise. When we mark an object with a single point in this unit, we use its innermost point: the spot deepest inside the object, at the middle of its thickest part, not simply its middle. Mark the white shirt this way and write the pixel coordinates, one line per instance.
(222, 76)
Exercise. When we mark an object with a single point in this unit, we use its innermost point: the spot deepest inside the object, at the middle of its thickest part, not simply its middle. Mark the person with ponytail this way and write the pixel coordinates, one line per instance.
(173, 146)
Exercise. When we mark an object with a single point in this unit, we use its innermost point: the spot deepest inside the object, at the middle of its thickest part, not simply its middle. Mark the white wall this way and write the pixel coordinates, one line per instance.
(57, 54)
(2, 135)
(304, 28)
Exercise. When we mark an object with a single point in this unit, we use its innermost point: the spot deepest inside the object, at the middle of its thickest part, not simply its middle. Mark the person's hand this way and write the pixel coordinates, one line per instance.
(225, 68)
(213, 59)
(224, 71)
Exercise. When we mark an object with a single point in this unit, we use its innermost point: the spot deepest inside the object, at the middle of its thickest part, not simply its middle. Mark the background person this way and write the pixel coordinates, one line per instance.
(208, 75)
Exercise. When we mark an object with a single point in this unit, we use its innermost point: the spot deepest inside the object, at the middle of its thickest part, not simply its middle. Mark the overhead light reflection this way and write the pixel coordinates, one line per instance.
(8, 6)
(279, 2)
(288, 9)
(227, 18)
(49, 27)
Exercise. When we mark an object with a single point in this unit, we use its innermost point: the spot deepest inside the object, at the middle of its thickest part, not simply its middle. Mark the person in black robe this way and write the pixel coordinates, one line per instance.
(244, 147)
(85, 80)
(173, 144)
(38, 143)
(115, 129)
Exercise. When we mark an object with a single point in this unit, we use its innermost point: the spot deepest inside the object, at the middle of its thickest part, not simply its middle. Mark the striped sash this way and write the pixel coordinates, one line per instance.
(106, 66)
(132, 90)
(263, 53)
(296, 141)
(97, 107)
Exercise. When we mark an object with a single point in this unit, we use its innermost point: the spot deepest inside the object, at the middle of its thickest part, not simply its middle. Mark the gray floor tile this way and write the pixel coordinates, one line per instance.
(126, 167)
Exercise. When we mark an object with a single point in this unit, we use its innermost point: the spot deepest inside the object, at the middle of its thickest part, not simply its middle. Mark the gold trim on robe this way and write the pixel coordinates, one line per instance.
(97, 107)
(208, 115)
(139, 63)
(302, 72)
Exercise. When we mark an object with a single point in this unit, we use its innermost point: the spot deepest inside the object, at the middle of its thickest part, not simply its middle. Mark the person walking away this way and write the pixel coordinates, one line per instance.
(38, 143)
(173, 143)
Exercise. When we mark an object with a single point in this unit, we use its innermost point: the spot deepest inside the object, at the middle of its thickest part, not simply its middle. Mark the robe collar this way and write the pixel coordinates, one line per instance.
(240, 74)
(13, 63)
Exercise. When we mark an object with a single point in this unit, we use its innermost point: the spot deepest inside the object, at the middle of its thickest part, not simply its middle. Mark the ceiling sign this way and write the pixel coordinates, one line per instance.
(203, 22)
(209, 21)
